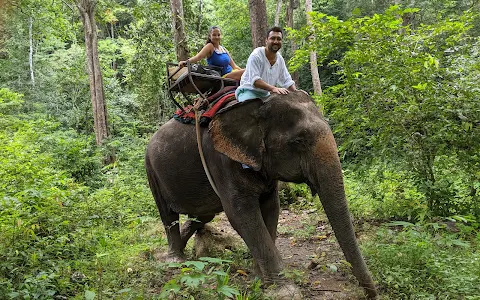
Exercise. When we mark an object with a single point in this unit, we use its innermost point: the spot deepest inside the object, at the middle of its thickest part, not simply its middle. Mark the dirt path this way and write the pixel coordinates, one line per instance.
(311, 254)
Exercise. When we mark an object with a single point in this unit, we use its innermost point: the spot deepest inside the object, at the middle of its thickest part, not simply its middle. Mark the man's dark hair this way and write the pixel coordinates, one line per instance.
(274, 29)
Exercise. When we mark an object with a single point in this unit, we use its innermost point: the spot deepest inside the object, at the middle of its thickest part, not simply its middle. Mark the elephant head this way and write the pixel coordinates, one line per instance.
(286, 138)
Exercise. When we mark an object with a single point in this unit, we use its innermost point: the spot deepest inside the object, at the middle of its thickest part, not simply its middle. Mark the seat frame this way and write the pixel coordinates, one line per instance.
(194, 83)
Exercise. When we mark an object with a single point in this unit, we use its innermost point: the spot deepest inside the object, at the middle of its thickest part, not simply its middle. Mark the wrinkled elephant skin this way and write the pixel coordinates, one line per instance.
(281, 138)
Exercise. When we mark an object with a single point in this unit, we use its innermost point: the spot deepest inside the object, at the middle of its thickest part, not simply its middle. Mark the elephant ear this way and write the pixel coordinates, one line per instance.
(235, 132)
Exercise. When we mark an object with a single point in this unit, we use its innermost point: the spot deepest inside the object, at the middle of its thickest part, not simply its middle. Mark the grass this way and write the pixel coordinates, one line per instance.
(416, 262)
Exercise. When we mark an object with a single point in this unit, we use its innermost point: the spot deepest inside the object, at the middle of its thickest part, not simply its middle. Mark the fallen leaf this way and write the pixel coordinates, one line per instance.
(242, 272)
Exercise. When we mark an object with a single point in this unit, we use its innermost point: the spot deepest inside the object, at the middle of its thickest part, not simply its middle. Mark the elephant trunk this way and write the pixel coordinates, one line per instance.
(325, 175)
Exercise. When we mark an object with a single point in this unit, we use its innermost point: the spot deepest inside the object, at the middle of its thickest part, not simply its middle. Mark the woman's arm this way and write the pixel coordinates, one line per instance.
(205, 52)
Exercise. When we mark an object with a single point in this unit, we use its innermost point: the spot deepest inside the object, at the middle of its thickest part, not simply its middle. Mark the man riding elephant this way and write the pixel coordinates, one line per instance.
(266, 70)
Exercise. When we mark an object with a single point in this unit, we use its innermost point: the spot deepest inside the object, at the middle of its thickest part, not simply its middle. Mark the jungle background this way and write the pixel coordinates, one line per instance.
(400, 87)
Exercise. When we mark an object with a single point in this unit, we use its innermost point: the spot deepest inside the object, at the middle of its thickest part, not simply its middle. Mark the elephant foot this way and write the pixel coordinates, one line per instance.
(287, 291)
(371, 291)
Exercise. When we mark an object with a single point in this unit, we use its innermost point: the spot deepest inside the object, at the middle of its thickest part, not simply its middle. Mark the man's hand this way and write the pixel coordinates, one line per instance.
(304, 92)
(277, 90)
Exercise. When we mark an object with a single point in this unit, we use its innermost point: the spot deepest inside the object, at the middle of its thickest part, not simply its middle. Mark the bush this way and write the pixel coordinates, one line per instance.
(53, 228)
(424, 262)
(383, 192)
(407, 97)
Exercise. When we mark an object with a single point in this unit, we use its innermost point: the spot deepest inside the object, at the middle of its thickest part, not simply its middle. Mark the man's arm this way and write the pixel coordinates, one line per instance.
(285, 77)
(259, 83)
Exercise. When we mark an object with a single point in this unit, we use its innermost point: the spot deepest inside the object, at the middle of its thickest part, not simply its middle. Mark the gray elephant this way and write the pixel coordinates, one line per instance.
(281, 138)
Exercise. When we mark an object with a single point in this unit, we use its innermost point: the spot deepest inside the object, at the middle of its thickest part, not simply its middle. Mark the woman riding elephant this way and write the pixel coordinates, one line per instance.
(283, 137)
(217, 55)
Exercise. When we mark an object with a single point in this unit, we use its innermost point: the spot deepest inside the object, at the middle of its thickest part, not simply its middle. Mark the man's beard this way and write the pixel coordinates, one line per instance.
(272, 48)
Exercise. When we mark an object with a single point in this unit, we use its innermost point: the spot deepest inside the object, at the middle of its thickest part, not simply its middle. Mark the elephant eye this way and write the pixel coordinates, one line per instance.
(301, 139)
(298, 142)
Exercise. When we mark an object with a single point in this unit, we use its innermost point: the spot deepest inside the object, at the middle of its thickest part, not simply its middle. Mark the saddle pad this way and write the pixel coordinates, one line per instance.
(216, 102)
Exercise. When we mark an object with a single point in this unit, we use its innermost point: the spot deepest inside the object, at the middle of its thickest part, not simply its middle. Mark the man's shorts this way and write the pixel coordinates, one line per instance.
(243, 94)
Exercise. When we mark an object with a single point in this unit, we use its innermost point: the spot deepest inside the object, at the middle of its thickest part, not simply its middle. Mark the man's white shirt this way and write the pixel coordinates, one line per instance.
(258, 67)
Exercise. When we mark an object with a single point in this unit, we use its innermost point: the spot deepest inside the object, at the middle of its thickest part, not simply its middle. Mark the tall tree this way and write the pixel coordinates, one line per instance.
(291, 5)
(258, 21)
(87, 12)
(277, 12)
(181, 47)
(317, 86)
(200, 15)
(30, 55)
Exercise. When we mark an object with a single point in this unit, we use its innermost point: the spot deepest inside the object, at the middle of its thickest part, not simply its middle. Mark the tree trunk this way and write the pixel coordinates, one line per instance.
(317, 86)
(30, 55)
(200, 7)
(277, 13)
(289, 15)
(258, 22)
(86, 9)
(181, 47)
(114, 61)
(4, 9)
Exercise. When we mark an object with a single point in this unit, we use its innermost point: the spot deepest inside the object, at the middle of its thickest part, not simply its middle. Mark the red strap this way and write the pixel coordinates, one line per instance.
(220, 103)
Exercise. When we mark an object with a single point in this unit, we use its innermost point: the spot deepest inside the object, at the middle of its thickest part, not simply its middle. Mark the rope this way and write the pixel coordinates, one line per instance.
(199, 144)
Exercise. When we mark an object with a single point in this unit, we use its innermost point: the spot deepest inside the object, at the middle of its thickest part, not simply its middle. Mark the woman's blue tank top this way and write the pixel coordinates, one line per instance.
(220, 60)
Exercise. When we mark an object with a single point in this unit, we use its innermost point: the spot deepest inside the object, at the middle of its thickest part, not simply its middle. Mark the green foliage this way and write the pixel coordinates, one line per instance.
(152, 40)
(430, 10)
(207, 278)
(406, 97)
(9, 101)
(35, 201)
(298, 195)
(384, 192)
(424, 262)
(234, 20)
(63, 91)
(45, 249)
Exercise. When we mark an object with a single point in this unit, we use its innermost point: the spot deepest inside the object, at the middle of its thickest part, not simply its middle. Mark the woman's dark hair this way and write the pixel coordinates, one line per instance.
(210, 32)
(274, 29)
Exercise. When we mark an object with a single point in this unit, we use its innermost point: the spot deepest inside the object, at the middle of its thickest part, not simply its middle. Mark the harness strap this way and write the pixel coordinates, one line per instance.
(199, 144)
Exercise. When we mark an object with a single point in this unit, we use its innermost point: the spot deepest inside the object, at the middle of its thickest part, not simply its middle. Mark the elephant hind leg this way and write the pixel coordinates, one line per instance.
(170, 219)
(191, 226)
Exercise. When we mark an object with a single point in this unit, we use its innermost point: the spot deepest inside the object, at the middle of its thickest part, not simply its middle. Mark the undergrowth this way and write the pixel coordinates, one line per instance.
(71, 228)
(425, 261)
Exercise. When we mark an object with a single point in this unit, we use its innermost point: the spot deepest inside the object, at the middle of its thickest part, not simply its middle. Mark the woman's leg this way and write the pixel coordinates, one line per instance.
(236, 75)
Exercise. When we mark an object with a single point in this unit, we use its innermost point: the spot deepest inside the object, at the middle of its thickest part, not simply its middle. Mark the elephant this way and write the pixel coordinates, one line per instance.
(248, 147)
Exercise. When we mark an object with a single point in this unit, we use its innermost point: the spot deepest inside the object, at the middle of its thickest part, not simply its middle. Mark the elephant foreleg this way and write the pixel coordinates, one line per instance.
(270, 208)
(248, 221)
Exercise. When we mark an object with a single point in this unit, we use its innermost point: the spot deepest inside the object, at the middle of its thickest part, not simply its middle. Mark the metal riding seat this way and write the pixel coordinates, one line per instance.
(195, 80)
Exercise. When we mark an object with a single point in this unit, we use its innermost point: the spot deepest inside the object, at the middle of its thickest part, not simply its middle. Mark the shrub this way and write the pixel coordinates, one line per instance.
(424, 262)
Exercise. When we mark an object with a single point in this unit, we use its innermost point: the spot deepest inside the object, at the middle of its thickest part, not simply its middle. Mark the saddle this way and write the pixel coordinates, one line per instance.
(209, 108)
